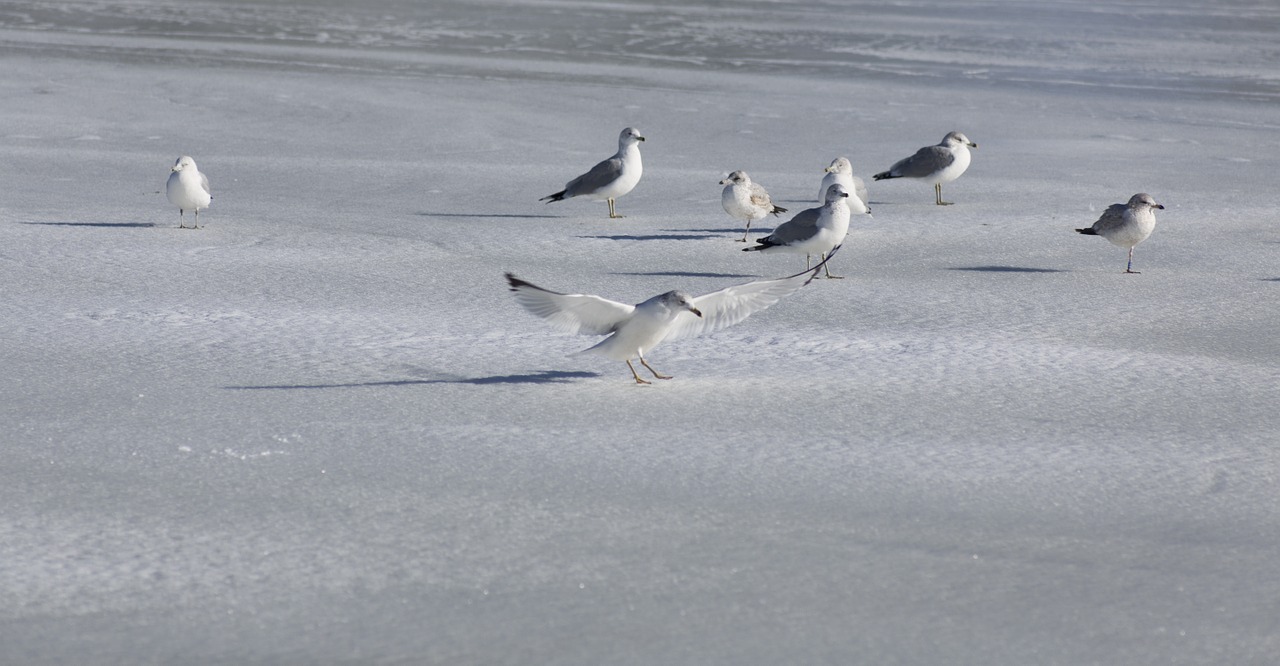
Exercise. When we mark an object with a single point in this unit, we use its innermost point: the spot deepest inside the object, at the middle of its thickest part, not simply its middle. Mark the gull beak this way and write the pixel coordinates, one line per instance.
(829, 170)
(176, 167)
(725, 181)
(639, 138)
(1160, 206)
(973, 145)
(695, 311)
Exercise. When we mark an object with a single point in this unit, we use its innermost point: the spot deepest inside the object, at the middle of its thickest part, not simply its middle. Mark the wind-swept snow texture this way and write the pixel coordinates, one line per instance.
(319, 429)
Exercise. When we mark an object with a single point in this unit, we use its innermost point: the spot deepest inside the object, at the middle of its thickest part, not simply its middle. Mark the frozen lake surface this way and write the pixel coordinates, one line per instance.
(320, 430)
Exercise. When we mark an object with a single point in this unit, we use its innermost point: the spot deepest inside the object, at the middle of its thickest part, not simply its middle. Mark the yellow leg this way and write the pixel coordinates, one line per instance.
(937, 190)
(657, 374)
(613, 214)
(632, 368)
(827, 268)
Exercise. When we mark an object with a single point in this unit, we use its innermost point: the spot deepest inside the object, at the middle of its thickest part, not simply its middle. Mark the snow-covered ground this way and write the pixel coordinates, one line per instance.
(320, 429)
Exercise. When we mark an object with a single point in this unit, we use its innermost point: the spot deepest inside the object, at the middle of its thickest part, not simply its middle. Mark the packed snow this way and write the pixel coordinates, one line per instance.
(320, 428)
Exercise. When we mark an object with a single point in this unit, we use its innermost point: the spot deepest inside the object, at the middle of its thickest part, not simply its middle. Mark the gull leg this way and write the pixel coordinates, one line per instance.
(196, 224)
(181, 224)
(827, 267)
(632, 368)
(657, 374)
(806, 262)
(613, 214)
(1129, 268)
(744, 233)
(937, 190)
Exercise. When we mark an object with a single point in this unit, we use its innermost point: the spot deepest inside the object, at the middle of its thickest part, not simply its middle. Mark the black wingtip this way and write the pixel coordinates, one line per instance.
(883, 175)
(762, 244)
(1087, 232)
(558, 196)
(516, 282)
(778, 209)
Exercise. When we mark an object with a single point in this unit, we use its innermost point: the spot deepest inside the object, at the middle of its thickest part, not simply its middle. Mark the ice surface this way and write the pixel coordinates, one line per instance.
(319, 429)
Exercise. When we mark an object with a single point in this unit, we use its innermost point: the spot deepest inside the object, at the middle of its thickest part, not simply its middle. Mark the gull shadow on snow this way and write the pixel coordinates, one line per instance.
(764, 231)
(691, 274)
(648, 237)
(544, 377)
(1006, 269)
(103, 225)
(488, 215)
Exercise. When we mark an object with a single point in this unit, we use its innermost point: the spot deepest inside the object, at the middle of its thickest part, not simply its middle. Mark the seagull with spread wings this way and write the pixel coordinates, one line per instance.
(633, 330)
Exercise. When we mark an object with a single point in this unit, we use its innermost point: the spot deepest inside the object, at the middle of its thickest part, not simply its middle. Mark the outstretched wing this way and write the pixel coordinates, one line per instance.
(724, 308)
(571, 313)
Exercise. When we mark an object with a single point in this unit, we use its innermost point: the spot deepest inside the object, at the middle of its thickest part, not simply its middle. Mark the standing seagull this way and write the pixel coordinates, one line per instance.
(636, 329)
(812, 231)
(1128, 224)
(841, 171)
(746, 200)
(609, 179)
(188, 189)
(936, 165)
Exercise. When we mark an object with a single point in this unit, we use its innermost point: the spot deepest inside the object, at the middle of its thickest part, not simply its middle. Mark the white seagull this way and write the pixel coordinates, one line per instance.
(746, 200)
(1128, 224)
(633, 330)
(188, 189)
(812, 231)
(841, 171)
(609, 179)
(935, 165)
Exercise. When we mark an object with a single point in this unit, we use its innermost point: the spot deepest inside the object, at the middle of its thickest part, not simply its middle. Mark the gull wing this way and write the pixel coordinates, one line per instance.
(760, 198)
(1112, 218)
(598, 178)
(204, 182)
(724, 308)
(571, 313)
(926, 161)
(802, 227)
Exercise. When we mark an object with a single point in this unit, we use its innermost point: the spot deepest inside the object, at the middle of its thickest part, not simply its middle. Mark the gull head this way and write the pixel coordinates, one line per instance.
(1142, 199)
(836, 192)
(958, 139)
(184, 162)
(736, 178)
(629, 136)
(678, 300)
(840, 165)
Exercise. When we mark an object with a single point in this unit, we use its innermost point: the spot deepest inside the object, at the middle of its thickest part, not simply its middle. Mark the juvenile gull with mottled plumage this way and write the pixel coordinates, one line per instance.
(1128, 224)
(746, 200)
